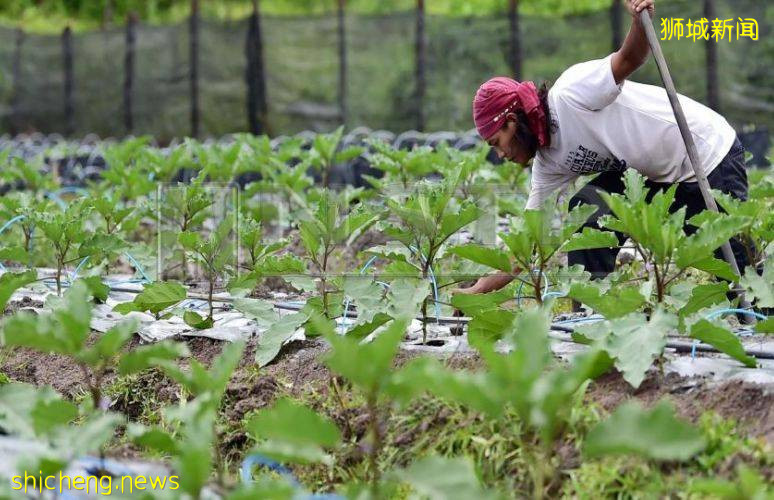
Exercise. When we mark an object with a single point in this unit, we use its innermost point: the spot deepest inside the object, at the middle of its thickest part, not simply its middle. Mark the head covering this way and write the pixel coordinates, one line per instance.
(499, 96)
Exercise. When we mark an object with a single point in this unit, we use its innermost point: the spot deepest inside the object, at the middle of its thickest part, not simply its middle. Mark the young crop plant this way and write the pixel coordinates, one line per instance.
(262, 260)
(422, 223)
(21, 207)
(193, 439)
(64, 230)
(659, 237)
(533, 240)
(216, 256)
(401, 168)
(281, 172)
(66, 330)
(324, 155)
(756, 225)
(185, 207)
(325, 229)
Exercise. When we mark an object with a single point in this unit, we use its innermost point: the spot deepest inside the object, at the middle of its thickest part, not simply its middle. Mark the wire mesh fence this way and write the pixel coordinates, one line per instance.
(301, 71)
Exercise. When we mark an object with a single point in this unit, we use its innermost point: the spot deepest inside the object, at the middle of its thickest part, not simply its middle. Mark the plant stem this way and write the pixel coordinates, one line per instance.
(376, 444)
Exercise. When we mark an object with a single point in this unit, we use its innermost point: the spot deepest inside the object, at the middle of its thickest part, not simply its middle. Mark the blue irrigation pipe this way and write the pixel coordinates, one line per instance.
(721, 312)
(257, 459)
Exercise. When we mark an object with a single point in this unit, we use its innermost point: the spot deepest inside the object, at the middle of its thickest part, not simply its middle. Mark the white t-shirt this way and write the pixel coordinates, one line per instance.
(603, 126)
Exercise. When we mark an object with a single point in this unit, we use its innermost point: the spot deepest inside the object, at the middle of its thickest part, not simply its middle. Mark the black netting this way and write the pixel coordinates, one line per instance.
(301, 63)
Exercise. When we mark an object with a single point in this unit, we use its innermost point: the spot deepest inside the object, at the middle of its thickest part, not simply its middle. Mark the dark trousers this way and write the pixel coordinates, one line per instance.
(729, 176)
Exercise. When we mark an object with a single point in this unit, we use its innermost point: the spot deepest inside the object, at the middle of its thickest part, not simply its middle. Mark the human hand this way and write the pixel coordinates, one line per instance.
(636, 6)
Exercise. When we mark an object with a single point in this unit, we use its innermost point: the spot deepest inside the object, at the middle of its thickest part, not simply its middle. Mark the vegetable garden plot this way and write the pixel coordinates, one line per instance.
(365, 275)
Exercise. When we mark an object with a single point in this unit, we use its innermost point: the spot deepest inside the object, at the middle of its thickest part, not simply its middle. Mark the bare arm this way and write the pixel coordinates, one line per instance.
(490, 282)
(635, 50)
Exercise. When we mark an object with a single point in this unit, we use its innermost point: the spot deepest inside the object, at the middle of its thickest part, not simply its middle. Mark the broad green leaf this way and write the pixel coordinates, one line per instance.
(447, 478)
(109, 344)
(14, 253)
(703, 296)
(294, 433)
(760, 287)
(590, 238)
(48, 415)
(427, 374)
(475, 304)
(715, 267)
(154, 298)
(612, 303)
(17, 403)
(152, 438)
(98, 289)
(366, 365)
(260, 310)
(150, 355)
(723, 340)
(10, 282)
(765, 326)
(194, 320)
(271, 340)
(656, 434)
(491, 257)
(635, 343)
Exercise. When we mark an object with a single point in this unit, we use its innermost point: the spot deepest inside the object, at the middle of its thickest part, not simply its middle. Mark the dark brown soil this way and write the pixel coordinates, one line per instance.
(299, 370)
(14, 305)
(750, 404)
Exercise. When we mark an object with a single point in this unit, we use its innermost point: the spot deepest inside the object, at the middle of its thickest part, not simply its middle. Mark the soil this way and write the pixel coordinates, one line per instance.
(299, 371)
(749, 404)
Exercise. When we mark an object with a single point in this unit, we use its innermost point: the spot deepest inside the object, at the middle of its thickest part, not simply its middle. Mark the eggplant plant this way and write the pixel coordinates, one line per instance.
(659, 237)
(64, 231)
(66, 330)
(185, 208)
(193, 438)
(325, 153)
(262, 260)
(533, 240)
(422, 223)
(401, 167)
(756, 226)
(323, 230)
(216, 256)
(21, 206)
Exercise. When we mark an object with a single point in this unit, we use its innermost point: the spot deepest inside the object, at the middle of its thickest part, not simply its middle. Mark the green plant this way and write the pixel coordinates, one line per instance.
(66, 330)
(532, 242)
(658, 234)
(154, 298)
(194, 445)
(216, 256)
(422, 223)
(324, 229)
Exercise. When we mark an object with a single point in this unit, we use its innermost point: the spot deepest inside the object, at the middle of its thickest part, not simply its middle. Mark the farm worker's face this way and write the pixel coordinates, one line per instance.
(510, 145)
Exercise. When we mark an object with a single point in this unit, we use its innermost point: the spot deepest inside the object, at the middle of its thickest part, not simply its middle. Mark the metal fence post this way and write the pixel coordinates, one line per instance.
(193, 31)
(420, 50)
(131, 22)
(255, 75)
(67, 57)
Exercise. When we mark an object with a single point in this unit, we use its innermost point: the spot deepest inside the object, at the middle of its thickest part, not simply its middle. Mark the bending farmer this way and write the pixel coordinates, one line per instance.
(593, 121)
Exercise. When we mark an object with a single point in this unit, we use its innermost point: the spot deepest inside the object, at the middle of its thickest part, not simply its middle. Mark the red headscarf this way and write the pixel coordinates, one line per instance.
(499, 96)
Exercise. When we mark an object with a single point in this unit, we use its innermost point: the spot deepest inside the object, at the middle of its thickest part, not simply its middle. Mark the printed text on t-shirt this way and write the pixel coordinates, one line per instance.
(587, 161)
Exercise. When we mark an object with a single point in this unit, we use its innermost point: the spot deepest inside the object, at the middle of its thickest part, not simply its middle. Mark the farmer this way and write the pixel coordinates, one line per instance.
(593, 121)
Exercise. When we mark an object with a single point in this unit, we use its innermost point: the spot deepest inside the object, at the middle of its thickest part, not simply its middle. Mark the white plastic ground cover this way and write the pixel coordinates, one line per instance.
(232, 325)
